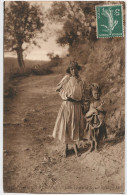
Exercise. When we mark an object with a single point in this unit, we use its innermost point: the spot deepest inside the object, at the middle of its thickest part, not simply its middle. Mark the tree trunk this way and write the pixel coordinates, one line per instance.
(20, 57)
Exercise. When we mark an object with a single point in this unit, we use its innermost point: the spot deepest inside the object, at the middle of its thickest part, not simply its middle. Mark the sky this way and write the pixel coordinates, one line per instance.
(35, 53)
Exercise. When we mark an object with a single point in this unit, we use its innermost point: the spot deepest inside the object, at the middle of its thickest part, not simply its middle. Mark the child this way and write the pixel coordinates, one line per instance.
(95, 125)
(70, 121)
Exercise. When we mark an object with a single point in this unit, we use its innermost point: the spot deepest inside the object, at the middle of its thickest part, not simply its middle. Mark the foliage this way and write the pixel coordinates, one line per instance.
(11, 69)
(41, 70)
(78, 19)
(55, 60)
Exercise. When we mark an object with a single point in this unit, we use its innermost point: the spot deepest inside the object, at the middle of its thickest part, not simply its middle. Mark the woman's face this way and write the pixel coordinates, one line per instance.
(74, 71)
(95, 94)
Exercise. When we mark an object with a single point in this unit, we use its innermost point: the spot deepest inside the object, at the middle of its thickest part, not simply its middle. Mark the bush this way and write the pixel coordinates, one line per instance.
(41, 70)
(9, 91)
(21, 73)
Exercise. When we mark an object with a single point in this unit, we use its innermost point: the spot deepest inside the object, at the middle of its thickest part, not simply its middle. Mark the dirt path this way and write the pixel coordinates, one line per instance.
(33, 161)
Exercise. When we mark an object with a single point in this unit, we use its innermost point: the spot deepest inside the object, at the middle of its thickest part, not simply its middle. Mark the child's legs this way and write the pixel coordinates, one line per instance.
(91, 140)
(105, 131)
(92, 146)
(65, 150)
(96, 137)
(96, 144)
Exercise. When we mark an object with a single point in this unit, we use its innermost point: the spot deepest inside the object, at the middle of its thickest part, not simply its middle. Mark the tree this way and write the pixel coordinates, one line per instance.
(55, 60)
(23, 22)
(78, 20)
(78, 26)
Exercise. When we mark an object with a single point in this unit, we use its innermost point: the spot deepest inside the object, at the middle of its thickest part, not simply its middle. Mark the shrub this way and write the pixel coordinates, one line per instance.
(41, 70)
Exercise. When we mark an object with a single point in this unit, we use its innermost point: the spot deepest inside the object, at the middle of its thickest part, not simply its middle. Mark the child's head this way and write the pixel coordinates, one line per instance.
(95, 91)
(73, 68)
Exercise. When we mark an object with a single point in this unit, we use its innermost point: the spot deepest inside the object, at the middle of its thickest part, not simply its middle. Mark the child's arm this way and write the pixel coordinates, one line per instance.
(101, 108)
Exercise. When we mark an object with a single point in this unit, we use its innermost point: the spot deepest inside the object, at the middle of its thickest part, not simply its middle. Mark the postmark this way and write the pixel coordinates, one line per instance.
(109, 21)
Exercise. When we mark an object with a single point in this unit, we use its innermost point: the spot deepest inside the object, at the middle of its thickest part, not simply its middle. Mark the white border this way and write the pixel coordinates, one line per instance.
(1, 97)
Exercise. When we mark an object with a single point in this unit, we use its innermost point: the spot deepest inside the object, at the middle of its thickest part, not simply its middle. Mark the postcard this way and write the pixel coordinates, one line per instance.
(64, 97)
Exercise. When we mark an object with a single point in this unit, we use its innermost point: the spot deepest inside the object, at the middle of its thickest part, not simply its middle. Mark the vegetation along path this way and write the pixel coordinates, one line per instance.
(33, 160)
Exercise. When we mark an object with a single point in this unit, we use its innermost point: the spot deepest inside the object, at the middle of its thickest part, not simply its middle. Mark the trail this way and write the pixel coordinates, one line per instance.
(33, 161)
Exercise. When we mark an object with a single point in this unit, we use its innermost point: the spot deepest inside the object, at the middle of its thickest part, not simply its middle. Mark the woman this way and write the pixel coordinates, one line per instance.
(69, 124)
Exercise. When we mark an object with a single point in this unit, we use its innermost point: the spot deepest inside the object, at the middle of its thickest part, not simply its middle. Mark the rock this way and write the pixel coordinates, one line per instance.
(93, 24)
(5, 152)
(42, 128)
(25, 120)
(26, 149)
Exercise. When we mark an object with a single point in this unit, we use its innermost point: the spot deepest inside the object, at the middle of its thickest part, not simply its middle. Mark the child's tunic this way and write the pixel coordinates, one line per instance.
(69, 124)
(99, 106)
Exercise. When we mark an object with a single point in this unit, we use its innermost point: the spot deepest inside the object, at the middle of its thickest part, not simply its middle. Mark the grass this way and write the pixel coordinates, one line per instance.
(11, 64)
(12, 70)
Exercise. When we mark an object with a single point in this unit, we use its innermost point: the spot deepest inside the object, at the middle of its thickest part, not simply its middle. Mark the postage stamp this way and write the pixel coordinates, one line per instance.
(109, 21)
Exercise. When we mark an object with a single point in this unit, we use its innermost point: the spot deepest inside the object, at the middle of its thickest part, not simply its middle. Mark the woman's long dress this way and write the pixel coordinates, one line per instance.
(69, 124)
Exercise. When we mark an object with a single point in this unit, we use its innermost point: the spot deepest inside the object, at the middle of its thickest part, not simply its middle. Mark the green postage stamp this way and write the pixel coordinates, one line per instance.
(109, 21)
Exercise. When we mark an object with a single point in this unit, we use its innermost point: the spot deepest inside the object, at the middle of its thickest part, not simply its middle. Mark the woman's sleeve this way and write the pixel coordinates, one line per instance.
(64, 80)
(83, 91)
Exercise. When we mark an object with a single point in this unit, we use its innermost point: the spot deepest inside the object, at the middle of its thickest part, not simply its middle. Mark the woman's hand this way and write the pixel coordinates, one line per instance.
(70, 99)
(94, 111)
(58, 88)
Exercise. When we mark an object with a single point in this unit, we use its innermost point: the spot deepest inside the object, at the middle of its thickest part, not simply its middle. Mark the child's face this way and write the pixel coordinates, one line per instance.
(74, 71)
(96, 94)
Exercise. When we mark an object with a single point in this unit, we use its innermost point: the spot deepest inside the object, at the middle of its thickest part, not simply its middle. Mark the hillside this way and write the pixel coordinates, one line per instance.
(106, 66)
(103, 62)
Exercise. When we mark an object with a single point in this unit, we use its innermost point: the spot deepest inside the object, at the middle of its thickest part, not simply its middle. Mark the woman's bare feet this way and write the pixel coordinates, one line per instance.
(76, 150)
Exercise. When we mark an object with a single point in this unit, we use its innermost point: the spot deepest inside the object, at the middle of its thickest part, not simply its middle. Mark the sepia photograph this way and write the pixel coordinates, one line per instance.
(64, 97)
